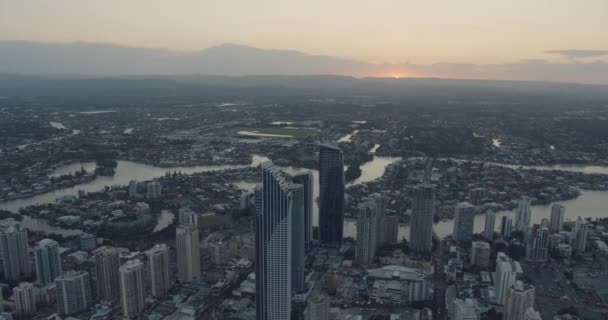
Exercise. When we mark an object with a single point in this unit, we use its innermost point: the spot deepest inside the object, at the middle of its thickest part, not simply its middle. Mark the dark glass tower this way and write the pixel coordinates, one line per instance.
(331, 195)
(306, 179)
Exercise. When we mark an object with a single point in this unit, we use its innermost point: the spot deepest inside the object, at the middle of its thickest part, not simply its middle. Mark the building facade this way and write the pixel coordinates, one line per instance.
(464, 217)
(557, 218)
(507, 271)
(158, 268)
(132, 289)
(520, 297)
(490, 225)
(522, 220)
(14, 250)
(73, 292)
(25, 299)
(331, 195)
(107, 263)
(47, 260)
(423, 210)
(188, 253)
(273, 232)
(306, 179)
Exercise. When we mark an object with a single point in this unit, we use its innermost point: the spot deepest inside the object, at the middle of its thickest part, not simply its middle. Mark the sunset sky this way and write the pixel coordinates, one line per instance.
(379, 31)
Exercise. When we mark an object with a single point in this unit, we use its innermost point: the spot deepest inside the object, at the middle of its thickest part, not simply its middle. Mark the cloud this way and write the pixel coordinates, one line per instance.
(574, 54)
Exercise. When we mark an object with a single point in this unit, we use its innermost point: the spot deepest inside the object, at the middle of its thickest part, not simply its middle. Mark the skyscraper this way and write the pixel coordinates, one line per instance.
(506, 275)
(306, 179)
(153, 190)
(378, 204)
(297, 237)
(520, 297)
(48, 261)
(273, 247)
(25, 300)
(73, 292)
(538, 246)
(188, 253)
(423, 209)
(490, 225)
(506, 227)
(522, 220)
(367, 227)
(158, 266)
(580, 235)
(132, 289)
(480, 254)
(14, 250)
(392, 229)
(331, 195)
(132, 188)
(557, 218)
(464, 217)
(318, 307)
(107, 263)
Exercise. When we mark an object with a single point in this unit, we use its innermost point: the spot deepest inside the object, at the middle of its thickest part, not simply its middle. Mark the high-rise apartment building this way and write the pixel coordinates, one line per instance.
(507, 271)
(520, 297)
(464, 218)
(132, 289)
(158, 268)
(25, 299)
(153, 190)
(522, 220)
(188, 253)
(580, 235)
(318, 307)
(47, 260)
(367, 228)
(557, 218)
(14, 250)
(490, 225)
(423, 210)
(480, 254)
(73, 290)
(506, 227)
(298, 248)
(331, 195)
(187, 217)
(538, 245)
(107, 262)
(273, 232)
(306, 179)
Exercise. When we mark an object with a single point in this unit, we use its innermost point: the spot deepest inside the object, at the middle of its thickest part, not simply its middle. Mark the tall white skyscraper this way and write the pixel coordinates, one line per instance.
(506, 275)
(188, 253)
(298, 253)
(25, 300)
(557, 218)
(467, 309)
(538, 245)
(522, 220)
(132, 288)
(423, 210)
(490, 225)
(520, 297)
(48, 261)
(506, 227)
(73, 292)
(306, 179)
(14, 251)
(367, 227)
(580, 235)
(464, 217)
(158, 268)
(107, 263)
(273, 247)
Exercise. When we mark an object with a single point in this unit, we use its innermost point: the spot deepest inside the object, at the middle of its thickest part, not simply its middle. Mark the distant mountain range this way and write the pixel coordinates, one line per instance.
(92, 59)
